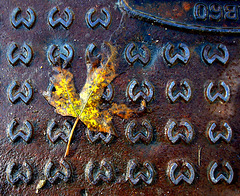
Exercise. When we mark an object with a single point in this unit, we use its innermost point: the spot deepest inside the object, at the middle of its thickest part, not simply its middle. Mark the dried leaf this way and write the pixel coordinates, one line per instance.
(85, 107)
(40, 185)
(65, 99)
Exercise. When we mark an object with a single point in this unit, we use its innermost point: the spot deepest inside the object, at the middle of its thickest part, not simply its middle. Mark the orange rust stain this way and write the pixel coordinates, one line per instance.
(186, 6)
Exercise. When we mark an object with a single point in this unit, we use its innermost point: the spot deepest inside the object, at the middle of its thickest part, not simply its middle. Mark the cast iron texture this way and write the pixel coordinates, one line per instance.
(153, 64)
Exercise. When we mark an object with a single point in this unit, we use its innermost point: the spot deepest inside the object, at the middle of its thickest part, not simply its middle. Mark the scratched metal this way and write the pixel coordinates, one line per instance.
(178, 64)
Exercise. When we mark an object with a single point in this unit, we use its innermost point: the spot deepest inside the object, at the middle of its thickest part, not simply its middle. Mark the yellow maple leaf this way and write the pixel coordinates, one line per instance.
(85, 106)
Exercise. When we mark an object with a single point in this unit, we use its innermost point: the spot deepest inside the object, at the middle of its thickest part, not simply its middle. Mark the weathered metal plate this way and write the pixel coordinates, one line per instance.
(204, 16)
(187, 140)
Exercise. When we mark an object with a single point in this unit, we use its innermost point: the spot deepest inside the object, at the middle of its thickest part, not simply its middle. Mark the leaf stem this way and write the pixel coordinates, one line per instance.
(70, 137)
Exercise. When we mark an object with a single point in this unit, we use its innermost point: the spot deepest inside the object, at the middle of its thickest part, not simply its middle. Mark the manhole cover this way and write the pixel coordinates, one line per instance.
(177, 76)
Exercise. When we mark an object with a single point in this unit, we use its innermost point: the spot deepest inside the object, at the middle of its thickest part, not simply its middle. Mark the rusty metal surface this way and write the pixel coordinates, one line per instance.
(187, 140)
